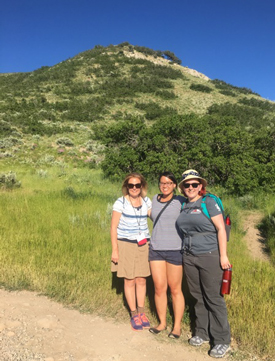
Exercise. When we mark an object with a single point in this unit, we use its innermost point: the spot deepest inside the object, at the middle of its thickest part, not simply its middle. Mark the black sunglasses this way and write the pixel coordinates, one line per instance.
(131, 185)
(194, 185)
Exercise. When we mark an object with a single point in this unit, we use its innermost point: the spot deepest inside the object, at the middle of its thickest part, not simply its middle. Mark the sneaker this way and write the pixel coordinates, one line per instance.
(197, 341)
(144, 320)
(136, 323)
(218, 351)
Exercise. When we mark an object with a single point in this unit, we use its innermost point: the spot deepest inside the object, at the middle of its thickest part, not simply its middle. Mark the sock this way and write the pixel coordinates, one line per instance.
(133, 313)
(140, 309)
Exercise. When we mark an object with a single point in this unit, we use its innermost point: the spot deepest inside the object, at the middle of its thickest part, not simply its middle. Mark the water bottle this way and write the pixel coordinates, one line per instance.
(228, 220)
(226, 281)
(227, 226)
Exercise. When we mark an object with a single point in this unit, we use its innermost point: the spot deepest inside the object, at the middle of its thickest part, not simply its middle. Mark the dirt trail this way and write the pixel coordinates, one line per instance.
(253, 238)
(34, 328)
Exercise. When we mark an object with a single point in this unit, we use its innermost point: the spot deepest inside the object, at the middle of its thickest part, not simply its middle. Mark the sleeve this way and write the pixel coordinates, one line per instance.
(118, 205)
(148, 203)
(212, 207)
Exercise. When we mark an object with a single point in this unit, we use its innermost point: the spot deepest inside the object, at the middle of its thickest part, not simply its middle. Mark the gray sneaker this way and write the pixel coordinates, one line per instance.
(197, 341)
(218, 351)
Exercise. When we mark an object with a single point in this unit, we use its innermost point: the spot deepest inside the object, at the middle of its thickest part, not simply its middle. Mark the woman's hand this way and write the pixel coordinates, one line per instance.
(114, 257)
(225, 264)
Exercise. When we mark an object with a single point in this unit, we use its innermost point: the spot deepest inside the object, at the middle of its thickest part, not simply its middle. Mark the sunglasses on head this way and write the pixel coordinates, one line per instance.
(194, 185)
(131, 185)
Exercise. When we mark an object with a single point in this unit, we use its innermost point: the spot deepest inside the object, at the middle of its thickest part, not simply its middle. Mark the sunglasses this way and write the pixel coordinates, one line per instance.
(194, 185)
(131, 185)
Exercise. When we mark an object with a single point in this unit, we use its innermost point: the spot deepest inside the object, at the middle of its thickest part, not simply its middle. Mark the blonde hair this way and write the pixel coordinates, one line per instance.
(144, 185)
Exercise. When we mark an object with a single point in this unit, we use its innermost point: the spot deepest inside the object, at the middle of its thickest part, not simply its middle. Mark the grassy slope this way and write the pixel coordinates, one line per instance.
(55, 240)
(55, 228)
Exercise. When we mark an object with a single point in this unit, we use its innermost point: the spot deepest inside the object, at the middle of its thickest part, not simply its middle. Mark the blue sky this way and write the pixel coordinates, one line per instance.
(227, 40)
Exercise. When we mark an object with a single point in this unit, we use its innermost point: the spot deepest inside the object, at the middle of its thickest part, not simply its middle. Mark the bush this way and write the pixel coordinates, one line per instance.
(166, 95)
(200, 88)
(9, 181)
(220, 84)
(228, 93)
(65, 142)
(267, 229)
(261, 104)
(217, 146)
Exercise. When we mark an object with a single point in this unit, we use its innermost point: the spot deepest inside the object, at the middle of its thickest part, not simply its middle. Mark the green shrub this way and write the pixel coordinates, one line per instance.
(9, 181)
(267, 229)
(166, 95)
(200, 88)
(64, 141)
(228, 93)
(154, 110)
(256, 103)
(220, 84)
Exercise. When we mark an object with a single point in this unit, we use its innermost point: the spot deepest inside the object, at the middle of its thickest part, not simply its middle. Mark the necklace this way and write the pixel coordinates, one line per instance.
(136, 210)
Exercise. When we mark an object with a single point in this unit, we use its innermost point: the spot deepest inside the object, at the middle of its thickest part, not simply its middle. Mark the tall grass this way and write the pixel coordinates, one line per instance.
(55, 240)
(251, 305)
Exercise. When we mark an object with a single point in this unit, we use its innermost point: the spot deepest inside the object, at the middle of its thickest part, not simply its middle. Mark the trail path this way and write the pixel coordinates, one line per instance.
(34, 328)
(252, 236)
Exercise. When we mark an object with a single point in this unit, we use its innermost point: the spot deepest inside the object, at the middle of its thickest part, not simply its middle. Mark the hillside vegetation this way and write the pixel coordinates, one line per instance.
(130, 108)
(68, 135)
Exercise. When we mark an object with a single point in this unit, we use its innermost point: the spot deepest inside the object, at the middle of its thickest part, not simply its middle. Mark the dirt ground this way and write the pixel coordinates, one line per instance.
(33, 328)
(36, 328)
(253, 237)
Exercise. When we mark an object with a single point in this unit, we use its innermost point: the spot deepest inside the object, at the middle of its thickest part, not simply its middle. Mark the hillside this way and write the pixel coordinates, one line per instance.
(67, 113)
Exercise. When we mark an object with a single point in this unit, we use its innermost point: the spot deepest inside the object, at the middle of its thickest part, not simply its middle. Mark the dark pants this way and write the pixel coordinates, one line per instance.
(204, 277)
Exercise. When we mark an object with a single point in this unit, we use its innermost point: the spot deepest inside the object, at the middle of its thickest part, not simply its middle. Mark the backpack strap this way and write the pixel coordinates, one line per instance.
(204, 207)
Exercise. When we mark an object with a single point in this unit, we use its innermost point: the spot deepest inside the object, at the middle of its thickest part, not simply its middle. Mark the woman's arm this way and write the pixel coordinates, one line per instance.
(114, 224)
(221, 233)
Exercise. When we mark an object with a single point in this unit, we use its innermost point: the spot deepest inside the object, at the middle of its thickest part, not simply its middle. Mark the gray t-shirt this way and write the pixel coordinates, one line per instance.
(194, 226)
(166, 235)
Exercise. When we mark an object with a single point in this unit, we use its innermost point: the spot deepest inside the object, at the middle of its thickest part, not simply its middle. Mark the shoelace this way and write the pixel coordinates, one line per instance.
(137, 320)
(144, 318)
(221, 348)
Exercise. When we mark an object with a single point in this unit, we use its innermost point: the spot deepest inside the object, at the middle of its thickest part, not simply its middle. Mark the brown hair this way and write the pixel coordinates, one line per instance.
(143, 182)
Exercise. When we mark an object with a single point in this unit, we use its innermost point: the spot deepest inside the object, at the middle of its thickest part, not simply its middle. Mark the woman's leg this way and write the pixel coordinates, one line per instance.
(193, 279)
(174, 277)
(159, 274)
(211, 279)
(130, 293)
(140, 291)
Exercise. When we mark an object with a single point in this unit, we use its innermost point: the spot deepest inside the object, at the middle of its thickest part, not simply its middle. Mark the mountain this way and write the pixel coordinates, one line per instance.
(79, 103)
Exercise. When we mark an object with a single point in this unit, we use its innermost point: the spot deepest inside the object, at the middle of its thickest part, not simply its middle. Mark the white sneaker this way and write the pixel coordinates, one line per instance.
(218, 351)
(197, 341)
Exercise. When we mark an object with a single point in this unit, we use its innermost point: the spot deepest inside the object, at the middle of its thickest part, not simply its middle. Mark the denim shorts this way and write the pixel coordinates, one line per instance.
(174, 257)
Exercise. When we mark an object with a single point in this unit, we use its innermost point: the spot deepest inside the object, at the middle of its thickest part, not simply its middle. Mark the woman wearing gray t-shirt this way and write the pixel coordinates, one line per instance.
(165, 253)
(204, 259)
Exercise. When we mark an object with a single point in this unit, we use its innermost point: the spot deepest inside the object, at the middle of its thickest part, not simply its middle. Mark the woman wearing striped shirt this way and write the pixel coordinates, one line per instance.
(130, 236)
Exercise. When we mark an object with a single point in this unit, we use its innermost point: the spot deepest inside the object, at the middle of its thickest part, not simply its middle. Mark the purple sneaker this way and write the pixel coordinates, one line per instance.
(144, 320)
(136, 323)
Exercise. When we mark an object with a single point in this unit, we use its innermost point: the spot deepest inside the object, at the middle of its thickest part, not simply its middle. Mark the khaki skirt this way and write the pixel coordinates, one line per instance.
(133, 260)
